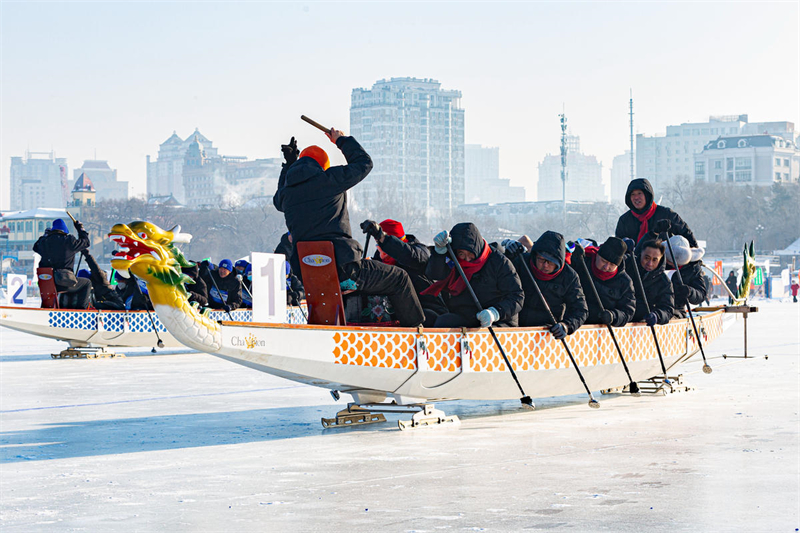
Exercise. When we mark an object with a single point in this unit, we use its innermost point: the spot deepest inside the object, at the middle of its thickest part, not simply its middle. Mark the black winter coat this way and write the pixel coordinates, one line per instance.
(314, 201)
(413, 256)
(198, 291)
(563, 293)
(134, 298)
(657, 289)
(105, 297)
(229, 286)
(58, 249)
(692, 275)
(628, 225)
(617, 295)
(284, 247)
(496, 284)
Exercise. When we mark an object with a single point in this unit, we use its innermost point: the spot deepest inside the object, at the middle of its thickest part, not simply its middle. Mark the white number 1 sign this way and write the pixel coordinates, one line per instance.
(269, 287)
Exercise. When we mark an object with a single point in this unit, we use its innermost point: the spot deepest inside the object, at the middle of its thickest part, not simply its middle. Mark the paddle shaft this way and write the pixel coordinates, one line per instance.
(315, 124)
(688, 307)
(600, 305)
(211, 277)
(366, 246)
(553, 319)
(135, 281)
(637, 279)
(460, 271)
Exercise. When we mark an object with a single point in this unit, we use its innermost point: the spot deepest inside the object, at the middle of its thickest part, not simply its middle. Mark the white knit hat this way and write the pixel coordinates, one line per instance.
(684, 254)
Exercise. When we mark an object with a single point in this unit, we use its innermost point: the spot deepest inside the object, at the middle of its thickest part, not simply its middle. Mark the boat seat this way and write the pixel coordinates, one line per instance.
(321, 283)
(47, 288)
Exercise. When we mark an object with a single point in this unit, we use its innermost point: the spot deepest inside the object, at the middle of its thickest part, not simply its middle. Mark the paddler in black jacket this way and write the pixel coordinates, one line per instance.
(224, 289)
(58, 249)
(657, 286)
(490, 273)
(396, 247)
(558, 283)
(614, 286)
(643, 215)
(312, 195)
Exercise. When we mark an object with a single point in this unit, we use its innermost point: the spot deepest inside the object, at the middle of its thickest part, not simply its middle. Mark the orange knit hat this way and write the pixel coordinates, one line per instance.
(317, 154)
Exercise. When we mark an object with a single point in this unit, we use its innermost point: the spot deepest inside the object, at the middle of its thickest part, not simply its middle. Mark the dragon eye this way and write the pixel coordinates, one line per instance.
(143, 235)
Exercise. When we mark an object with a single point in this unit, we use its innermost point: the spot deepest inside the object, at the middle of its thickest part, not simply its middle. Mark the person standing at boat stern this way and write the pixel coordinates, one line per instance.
(490, 273)
(613, 284)
(693, 290)
(312, 196)
(58, 249)
(396, 247)
(558, 283)
(644, 215)
(657, 286)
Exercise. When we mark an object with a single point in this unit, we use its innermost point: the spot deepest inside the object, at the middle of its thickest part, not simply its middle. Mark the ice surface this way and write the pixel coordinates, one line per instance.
(188, 442)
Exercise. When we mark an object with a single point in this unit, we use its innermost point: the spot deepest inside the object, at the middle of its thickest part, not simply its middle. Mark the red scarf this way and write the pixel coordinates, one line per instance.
(540, 275)
(591, 253)
(643, 218)
(386, 258)
(453, 282)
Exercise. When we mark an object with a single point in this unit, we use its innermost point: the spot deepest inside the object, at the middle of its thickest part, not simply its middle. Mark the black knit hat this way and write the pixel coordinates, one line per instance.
(613, 250)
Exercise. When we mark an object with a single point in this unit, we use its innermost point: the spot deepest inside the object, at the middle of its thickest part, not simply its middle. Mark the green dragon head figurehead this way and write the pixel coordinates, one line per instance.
(149, 253)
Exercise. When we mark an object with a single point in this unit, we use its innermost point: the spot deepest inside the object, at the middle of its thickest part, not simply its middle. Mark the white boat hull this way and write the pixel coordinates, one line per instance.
(437, 364)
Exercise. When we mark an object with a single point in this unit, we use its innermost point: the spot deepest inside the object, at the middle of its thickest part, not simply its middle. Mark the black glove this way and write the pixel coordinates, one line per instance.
(370, 227)
(651, 319)
(513, 248)
(630, 244)
(661, 226)
(558, 331)
(682, 293)
(227, 308)
(606, 317)
(578, 252)
(290, 151)
(78, 226)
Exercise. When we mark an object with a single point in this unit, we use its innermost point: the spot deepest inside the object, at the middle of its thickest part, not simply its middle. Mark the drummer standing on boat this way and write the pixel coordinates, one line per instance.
(58, 250)
(312, 196)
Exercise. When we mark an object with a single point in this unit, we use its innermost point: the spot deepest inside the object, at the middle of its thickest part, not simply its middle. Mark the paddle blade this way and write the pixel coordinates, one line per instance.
(527, 403)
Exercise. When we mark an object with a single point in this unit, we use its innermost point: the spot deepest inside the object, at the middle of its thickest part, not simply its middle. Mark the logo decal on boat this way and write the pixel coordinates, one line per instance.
(45, 277)
(250, 341)
(317, 260)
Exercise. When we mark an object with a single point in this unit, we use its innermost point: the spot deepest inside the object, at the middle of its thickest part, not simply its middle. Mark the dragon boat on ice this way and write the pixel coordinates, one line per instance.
(392, 368)
(90, 332)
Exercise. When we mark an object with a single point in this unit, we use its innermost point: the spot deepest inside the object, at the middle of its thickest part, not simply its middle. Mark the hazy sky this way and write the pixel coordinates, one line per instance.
(119, 77)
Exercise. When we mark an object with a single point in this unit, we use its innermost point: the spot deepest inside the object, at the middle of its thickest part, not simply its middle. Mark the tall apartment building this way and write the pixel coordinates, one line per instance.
(584, 176)
(663, 158)
(482, 177)
(165, 174)
(39, 179)
(414, 132)
(211, 182)
(748, 160)
(104, 179)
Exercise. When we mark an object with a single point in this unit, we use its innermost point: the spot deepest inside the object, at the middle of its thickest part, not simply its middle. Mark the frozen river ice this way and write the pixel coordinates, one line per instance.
(186, 442)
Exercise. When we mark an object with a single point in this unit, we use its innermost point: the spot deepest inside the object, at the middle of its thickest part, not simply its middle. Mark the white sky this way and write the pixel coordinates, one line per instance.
(119, 77)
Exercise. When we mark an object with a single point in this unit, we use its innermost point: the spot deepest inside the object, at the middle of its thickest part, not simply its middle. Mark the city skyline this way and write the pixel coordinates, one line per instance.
(246, 83)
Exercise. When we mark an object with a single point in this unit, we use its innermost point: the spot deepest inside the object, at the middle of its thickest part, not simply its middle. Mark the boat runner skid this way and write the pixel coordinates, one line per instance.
(416, 365)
